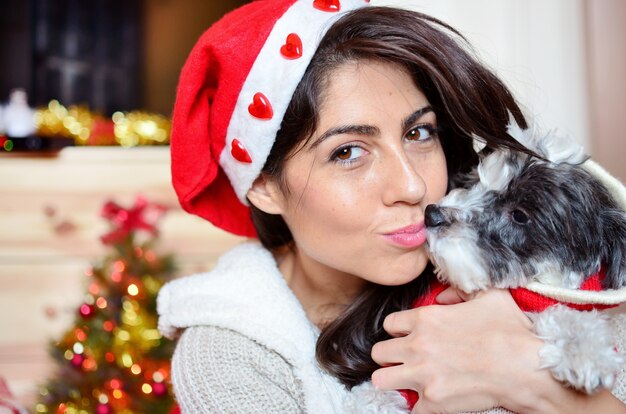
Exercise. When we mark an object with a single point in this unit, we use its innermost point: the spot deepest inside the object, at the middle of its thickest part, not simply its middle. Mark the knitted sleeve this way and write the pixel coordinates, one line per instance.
(216, 370)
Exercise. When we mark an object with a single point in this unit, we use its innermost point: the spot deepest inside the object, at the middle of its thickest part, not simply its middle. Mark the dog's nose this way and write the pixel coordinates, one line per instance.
(433, 216)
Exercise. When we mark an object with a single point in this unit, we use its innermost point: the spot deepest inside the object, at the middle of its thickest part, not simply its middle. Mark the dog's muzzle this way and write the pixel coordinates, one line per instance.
(433, 216)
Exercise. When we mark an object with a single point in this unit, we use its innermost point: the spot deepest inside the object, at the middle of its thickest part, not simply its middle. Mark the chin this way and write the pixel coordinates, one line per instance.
(404, 270)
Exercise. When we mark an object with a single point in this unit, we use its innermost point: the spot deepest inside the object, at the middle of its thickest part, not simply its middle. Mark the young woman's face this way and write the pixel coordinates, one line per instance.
(359, 187)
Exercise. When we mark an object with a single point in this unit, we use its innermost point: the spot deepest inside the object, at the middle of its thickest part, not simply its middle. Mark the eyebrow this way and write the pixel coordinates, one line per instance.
(368, 129)
(412, 119)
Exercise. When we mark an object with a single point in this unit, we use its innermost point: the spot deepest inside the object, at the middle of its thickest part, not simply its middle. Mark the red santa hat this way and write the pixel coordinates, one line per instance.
(232, 95)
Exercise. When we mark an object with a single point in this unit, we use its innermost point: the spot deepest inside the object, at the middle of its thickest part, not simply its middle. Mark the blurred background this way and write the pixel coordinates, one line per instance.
(100, 77)
(112, 54)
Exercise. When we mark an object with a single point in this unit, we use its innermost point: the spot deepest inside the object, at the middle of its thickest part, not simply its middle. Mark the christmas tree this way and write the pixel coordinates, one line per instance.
(113, 359)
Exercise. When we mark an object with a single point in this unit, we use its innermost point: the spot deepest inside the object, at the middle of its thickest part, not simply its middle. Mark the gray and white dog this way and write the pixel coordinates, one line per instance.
(545, 223)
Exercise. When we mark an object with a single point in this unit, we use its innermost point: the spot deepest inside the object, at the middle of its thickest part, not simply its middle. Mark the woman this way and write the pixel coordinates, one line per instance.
(328, 151)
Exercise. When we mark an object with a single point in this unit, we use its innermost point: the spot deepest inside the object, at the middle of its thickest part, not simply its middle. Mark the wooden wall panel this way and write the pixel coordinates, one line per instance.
(49, 216)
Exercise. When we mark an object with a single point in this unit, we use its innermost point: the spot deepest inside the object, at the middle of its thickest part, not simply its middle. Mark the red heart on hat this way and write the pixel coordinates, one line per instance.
(327, 5)
(260, 107)
(292, 49)
(239, 152)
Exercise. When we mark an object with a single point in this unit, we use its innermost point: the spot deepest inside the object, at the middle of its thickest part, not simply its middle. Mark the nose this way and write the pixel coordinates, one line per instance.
(434, 216)
(403, 182)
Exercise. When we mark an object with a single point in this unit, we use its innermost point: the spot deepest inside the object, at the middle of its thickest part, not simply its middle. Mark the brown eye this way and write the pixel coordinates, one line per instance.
(347, 154)
(421, 133)
(414, 134)
(344, 153)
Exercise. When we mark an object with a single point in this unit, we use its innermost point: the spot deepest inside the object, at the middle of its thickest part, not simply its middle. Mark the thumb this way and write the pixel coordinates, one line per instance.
(452, 295)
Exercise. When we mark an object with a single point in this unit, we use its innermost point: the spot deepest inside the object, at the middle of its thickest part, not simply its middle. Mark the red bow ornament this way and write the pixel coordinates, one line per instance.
(141, 216)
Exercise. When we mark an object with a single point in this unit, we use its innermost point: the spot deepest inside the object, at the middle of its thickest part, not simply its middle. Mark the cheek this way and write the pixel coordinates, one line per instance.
(330, 219)
(435, 175)
(323, 204)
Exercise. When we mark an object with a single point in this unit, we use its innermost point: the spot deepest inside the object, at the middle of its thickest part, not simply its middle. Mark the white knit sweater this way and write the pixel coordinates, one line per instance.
(249, 346)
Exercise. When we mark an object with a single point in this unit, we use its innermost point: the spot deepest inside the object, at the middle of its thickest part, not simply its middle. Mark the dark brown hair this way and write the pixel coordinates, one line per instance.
(468, 100)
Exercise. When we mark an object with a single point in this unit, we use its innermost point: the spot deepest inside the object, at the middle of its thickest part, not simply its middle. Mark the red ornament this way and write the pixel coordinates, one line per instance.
(327, 5)
(103, 409)
(114, 384)
(102, 132)
(80, 335)
(239, 152)
(260, 107)
(86, 311)
(292, 49)
(77, 360)
(108, 326)
(159, 389)
(141, 216)
(6, 143)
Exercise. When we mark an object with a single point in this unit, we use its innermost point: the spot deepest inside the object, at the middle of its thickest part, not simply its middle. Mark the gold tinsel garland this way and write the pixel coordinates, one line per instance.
(77, 122)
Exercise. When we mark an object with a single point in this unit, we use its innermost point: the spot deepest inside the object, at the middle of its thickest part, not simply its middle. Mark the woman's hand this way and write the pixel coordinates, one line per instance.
(470, 356)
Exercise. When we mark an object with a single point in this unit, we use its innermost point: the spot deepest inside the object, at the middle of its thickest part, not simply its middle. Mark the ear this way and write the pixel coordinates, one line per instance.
(554, 147)
(266, 195)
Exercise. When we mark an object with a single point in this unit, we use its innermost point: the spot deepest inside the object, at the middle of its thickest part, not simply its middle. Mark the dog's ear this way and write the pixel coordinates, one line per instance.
(551, 145)
(479, 144)
(614, 225)
(526, 137)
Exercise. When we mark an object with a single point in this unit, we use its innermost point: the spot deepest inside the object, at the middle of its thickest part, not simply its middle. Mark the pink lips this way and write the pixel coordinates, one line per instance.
(410, 236)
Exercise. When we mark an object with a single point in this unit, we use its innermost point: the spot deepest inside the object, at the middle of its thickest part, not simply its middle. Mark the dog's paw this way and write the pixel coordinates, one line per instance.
(579, 348)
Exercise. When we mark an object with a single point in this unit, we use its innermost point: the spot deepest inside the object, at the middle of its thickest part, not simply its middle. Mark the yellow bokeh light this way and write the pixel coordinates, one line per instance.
(122, 335)
(151, 334)
(117, 117)
(133, 290)
(146, 388)
(129, 305)
(127, 360)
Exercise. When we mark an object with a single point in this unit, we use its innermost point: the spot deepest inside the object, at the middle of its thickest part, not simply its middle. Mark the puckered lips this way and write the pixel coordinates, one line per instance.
(410, 237)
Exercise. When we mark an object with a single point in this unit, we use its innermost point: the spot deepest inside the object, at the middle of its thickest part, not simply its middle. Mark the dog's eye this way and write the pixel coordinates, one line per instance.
(519, 216)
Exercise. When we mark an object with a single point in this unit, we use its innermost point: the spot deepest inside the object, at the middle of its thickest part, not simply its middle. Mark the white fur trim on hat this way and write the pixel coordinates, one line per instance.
(277, 78)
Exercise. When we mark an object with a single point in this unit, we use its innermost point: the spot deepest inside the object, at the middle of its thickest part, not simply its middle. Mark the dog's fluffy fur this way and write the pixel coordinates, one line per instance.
(521, 219)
